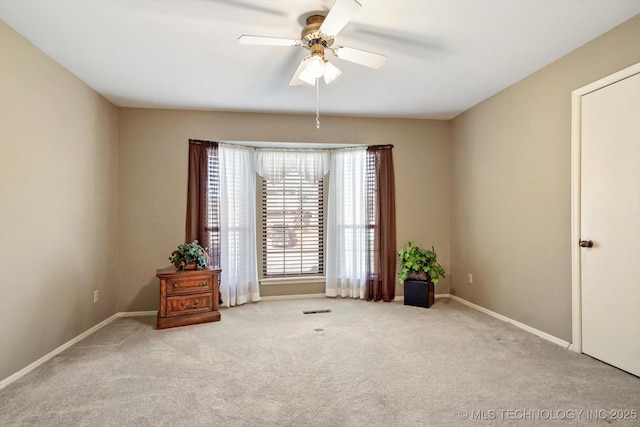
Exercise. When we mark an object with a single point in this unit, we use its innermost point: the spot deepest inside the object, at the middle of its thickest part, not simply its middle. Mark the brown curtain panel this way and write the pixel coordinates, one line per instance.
(382, 222)
(203, 198)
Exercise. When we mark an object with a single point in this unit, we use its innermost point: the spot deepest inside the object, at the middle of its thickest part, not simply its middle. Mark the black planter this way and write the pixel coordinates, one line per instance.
(419, 293)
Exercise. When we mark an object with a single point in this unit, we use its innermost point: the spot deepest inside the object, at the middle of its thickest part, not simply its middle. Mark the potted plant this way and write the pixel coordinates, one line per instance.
(419, 271)
(190, 256)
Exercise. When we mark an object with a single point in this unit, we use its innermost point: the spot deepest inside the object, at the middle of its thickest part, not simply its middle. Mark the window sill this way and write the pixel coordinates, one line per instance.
(292, 280)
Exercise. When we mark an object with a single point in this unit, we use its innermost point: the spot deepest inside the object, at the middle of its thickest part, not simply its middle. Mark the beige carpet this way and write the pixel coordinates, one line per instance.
(363, 364)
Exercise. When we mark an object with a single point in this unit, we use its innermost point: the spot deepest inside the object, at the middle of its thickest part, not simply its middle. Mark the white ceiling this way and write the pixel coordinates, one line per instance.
(444, 56)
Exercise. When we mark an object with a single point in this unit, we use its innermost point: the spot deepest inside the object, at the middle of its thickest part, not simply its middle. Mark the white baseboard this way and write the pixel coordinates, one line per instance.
(24, 371)
(298, 296)
(137, 313)
(399, 298)
(546, 336)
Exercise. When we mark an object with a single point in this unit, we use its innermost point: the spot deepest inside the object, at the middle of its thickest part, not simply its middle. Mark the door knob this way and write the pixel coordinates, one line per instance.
(586, 244)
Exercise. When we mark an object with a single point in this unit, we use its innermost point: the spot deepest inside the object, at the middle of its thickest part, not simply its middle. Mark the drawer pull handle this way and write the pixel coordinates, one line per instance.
(194, 305)
(203, 284)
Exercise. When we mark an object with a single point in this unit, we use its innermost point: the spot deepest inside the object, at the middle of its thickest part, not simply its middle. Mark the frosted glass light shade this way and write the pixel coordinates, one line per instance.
(307, 77)
(316, 66)
(331, 72)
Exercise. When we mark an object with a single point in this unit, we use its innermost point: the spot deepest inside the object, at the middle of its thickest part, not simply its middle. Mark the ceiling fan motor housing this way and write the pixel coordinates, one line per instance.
(312, 38)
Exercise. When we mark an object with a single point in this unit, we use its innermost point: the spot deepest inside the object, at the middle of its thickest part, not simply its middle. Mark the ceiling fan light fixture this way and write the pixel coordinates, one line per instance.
(307, 77)
(316, 66)
(331, 72)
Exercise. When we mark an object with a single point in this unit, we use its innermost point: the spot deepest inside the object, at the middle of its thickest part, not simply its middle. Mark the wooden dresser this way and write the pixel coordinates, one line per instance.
(187, 297)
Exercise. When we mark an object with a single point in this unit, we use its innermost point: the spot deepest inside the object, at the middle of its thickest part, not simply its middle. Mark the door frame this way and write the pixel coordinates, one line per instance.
(576, 155)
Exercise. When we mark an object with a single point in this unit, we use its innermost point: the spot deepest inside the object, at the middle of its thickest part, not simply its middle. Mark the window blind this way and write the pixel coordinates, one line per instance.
(213, 207)
(292, 226)
(372, 214)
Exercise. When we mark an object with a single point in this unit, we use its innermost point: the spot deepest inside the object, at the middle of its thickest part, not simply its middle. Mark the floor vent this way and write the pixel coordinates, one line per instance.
(316, 311)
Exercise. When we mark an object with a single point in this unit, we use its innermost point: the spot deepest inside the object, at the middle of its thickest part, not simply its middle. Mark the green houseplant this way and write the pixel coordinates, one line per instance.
(190, 256)
(420, 264)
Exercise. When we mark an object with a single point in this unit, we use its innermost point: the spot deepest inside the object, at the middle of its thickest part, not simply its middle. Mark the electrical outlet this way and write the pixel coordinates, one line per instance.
(469, 278)
(95, 296)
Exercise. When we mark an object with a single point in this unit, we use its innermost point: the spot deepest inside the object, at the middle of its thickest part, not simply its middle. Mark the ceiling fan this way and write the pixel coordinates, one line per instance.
(318, 36)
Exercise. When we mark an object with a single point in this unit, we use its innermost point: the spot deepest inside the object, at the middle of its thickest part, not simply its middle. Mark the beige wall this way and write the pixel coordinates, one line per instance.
(153, 181)
(58, 204)
(510, 187)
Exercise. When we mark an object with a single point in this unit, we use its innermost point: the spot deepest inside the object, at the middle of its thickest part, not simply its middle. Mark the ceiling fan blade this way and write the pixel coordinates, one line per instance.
(368, 59)
(339, 15)
(267, 41)
(295, 80)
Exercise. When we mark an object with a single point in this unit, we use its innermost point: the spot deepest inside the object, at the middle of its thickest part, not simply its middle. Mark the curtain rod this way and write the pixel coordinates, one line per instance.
(202, 142)
(369, 147)
(379, 147)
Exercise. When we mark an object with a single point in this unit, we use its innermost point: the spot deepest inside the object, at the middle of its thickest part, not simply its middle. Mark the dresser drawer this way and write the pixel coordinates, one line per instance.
(188, 285)
(188, 304)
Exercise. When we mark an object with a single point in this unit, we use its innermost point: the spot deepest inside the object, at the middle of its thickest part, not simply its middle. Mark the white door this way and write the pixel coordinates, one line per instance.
(610, 218)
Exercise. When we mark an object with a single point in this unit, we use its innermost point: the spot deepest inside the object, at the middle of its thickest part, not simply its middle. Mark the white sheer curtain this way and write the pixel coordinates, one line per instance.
(238, 259)
(273, 164)
(346, 255)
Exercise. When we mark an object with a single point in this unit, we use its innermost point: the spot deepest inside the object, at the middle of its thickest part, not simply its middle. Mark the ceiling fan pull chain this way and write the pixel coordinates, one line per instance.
(318, 103)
